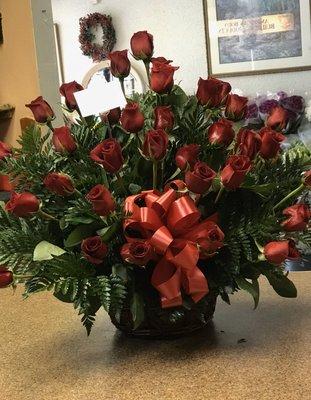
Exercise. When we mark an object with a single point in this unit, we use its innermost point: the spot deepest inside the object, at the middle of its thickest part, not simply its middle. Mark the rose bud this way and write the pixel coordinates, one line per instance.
(270, 143)
(138, 253)
(164, 118)
(59, 183)
(112, 116)
(278, 252)
(200, 179)
(212, 92)
(109, 155)
(120, 64)
(162, 60)
(155, 144)
(94, 249)
(236, 107)
(307, 178)
(212, 240)
(67, 90)
(5, 150)
(132, 119)
(101, 199)
(63, 140)
(162, 77)
(22, 204)
(6, 277)
(235, 170)
(142, 45)
(278, 118)
(41, 110)
(248, 143)
(187, 156)
(5, 184)
(298, 217)
(221, 132)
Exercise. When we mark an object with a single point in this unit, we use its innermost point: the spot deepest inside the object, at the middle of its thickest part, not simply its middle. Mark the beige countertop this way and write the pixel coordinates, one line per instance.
(45, 354)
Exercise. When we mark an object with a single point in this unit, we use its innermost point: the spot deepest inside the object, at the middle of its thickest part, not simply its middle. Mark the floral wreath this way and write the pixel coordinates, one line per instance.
(86, 37)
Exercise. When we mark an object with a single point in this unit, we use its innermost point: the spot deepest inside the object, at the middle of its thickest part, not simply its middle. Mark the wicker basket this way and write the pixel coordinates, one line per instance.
(167, 323)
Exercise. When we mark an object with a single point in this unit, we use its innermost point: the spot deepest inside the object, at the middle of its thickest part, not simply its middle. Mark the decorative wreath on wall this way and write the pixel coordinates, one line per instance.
(86, 38)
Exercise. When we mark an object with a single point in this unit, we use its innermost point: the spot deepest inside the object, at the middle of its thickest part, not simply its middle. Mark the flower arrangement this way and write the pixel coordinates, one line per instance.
(153, 211)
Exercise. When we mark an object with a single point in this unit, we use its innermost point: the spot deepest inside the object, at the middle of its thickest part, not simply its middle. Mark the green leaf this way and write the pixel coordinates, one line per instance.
(79, 233)
(45, 251)
(108, 232)
(282, 285)
(251, 288)
(137, 310)
(134, 189)
(120, 270)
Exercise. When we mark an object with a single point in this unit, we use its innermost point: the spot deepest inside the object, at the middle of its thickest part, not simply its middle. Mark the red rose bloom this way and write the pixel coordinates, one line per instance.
(94, 249)
(63, 140)
(109, 154)
(187, 156)
(221, 132)
(155, 144)
(248, 143)
(5, 150)
(112, 117)
(67, 90)
(59, 183)
(101, 199)
(142, 45)
(162, 77)
(270, 143)
(162, 60)
(132, 119)
(307, 178)
(120, 64)
(6, 277)
(298, 217)
(236, 107)
(22, 204)
(212, 92)
(235, 170)
(138, 253)
(278, 252)
(278, 118)
(164, 118)
(200, 179)
(42, 112)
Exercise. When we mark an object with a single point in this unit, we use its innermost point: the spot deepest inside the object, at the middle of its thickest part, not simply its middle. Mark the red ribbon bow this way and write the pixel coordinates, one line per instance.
(170, 224)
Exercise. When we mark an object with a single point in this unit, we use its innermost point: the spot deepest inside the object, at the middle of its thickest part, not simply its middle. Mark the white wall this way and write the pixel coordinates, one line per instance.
(178, 29)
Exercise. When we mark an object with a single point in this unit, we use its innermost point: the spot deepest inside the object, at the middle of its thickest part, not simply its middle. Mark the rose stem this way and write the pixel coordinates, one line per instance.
(291, 194)
(155, 174)
(219, 193)
(147, 67)
(109, 128)
(81, 117)
(121, 182)
(46, 215)
(122, 85)
(49, 125)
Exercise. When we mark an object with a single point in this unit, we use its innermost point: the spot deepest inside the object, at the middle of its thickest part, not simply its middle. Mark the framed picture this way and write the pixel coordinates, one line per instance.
(253, 36)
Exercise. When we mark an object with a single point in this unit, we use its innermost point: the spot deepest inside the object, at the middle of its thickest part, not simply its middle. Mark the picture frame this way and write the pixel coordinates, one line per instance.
(248, 37)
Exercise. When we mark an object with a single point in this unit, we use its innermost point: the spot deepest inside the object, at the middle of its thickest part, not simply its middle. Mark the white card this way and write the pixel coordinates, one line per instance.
(102, 97)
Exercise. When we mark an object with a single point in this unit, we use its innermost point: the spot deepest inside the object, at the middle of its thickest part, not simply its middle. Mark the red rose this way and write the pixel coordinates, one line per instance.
(235, 170)
(200, 179)
(298, 217)
(59, 183)
(236, 107)
(162, 77)
(22, 204)
(221, 132)
(161, 60)
(5, 184)
(120, 64)
(248, 143)
(67, 90)
(307, 178)
(6, 277)
(209, 237)
(132, 119)
(212, 92)
(278, 252)
(63, 140)
(94, 249)
(41, 110)
(101, 199)
(270, 143)
(142, 45)
(164, 118)
(155, 144)
(187, 156)
(5, 150)
(109, 154)
(112, 116)
(278, 118)
(138, 253)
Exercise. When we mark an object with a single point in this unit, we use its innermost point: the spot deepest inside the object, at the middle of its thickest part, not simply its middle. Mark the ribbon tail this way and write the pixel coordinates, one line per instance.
(195, 284)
